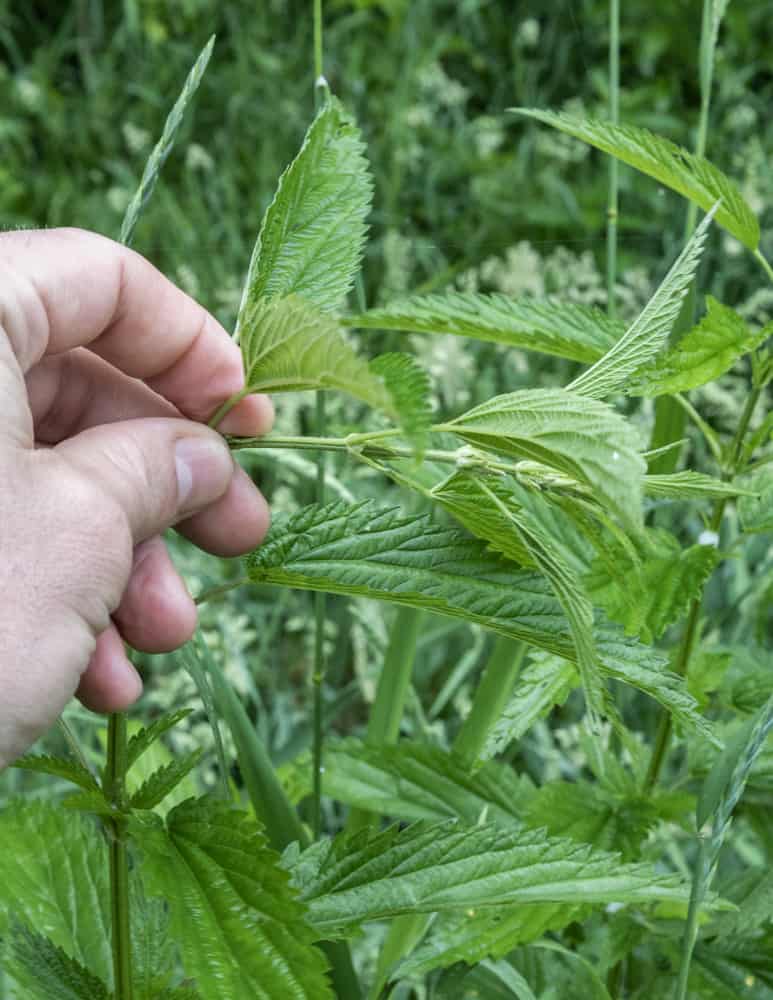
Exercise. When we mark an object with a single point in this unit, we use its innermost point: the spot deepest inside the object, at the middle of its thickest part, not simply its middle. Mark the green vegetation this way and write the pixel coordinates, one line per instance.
(521, 748)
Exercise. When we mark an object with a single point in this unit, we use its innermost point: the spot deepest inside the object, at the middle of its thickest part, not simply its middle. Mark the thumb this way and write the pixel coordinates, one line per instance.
(158, 471)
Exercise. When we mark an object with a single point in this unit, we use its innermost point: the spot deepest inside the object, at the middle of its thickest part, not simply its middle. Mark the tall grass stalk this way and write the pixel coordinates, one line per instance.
(614, 115)
(669, 416)
(320, 599)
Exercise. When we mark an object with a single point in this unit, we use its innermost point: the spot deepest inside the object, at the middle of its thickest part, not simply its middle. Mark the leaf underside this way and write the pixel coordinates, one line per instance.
(381, 553)
(562, 329)
(288, 345)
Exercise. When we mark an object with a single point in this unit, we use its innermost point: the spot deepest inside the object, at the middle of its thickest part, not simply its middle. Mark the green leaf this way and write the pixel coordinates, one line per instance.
(240, 929)
(503, 511)
(91, 802)
(546, 681)
(473, 935)
(147, 736)
(756, 513)
(311, 239)
(688, 485)
(163, 781)
(649, 332)
(752, 893)
(60, 767)
(408, 385)
(413, 781)
(265, 793)
(707, 351)
(54, 876)
(201, 679)
(648, 596)
(729, 970)
(563, 329)
(153, 952)
(288, 345)
(583, 438)
(434, 867)
(593, 814)
(47, 972)
(380, 553)
(690, 175)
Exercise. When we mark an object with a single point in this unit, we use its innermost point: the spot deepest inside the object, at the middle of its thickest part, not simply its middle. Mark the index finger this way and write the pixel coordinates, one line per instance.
(66, 288)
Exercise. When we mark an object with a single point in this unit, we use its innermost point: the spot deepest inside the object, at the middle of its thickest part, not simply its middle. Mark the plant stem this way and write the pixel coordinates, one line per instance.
(691, 929)
(215, 592)
(614, 115)
(491, 696)
(318, 676)
(391, 692)
(320, 598)
(227, 406)
(115, 791)
(682, 665)
(354, 444)
(317, 39)
(395, 678)
(766, 266)
(669, 418)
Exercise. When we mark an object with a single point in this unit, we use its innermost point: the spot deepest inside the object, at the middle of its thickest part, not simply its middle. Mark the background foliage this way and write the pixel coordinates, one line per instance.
(466, 196)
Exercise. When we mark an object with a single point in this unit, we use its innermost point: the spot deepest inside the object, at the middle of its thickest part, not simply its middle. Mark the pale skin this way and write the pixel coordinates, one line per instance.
(108, 374)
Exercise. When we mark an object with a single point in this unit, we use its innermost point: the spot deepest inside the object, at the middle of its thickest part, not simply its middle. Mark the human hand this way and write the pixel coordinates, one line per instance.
(105, 366)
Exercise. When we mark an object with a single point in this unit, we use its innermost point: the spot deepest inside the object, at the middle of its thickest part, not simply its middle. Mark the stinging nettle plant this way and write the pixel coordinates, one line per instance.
(529, 517)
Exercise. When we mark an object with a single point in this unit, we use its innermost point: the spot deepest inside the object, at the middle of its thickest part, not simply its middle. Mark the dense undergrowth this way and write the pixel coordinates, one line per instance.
(541, 642)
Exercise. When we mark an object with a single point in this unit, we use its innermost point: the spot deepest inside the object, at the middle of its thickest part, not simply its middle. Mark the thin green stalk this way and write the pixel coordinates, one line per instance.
(766, 266)
(320, 598)
(614, 115)
(115, 790)
(318, 676)
(355, 446)
(689, 636)
(227, 406)
(491, 697)
(317, 39)
(216, 592)
(395, 679)
(669, 417)
(391, 692)
(691, 929)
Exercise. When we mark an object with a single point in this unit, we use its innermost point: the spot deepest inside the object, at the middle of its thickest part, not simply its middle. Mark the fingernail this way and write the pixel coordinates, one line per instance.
(204, 469)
